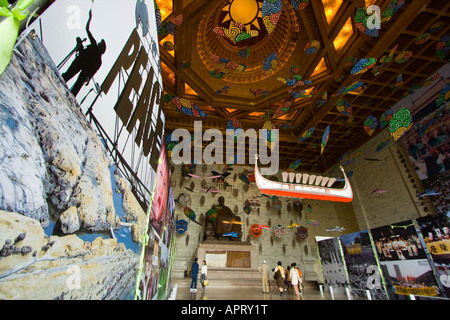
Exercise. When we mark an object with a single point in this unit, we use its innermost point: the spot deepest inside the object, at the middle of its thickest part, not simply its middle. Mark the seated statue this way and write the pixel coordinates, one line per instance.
(220, 213)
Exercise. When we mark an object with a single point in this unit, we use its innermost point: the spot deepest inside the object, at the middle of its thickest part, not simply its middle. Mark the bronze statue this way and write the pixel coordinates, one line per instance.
(221, 217)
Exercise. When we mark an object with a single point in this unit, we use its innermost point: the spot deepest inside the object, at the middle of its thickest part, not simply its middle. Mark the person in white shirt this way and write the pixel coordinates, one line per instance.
(203, 274)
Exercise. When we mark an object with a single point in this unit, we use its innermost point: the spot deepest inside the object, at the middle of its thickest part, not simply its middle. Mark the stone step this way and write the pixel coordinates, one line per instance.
(237, 282)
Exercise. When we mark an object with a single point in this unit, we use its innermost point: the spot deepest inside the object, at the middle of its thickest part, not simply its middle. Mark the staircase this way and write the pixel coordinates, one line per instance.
(237, 277)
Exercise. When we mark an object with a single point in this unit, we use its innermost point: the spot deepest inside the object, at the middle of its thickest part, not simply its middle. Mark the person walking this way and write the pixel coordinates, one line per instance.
(287, 278)
(295, 278)
(264, 270)
(194, 275)
(203, 274)
(279, 277)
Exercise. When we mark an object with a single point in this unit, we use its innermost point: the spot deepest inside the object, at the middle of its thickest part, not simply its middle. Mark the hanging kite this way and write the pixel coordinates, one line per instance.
(235, 32)
(296, 81)
(211, 214)
(271, 12)
(181, 226)
(345, 90)
(247, 209)
(293, 225)
(325, 137)
(404, 56)
(190, 214)
(400, 123)
(259, 92)
(444, 95)
(254, 203)
(245, 52)
(279, 231)
(323, 99)
(299, 4)
(269, 64)
(370, 125)
(393, 7)
(170, 26)
(230, 234)
(306, 134)
(224, 90)
(363, 65)
(183, 105)
(344, 107)
(302, 232)
(312, 47)
(255, 230)
(276, 203)
(313, 222)
(282, 109)
(398, 82)
(386, 117)
(443, 46)
(269, 134)
(422, 38)
(233, 221)
(300, 94)
(227, 65)
(294, 165)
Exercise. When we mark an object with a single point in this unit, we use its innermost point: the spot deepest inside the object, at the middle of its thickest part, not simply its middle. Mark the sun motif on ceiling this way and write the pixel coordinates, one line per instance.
(245, 12)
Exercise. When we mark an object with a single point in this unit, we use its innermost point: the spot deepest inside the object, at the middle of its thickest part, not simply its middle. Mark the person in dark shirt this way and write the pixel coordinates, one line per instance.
(87, 61)
(194, 275)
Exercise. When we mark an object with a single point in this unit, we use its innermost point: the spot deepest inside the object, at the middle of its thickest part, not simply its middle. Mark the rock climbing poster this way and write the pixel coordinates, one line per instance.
(67, 201)
(332, 263)
(362, 266)
(403, 260)
(107, 54)
(436, 232)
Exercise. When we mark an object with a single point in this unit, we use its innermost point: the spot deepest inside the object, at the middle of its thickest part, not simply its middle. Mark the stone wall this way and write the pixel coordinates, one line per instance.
(389, 170)
(272, 249)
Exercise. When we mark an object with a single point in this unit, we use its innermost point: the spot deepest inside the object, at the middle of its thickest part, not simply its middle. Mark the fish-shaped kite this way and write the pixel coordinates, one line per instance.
(338, 229)
(378, 191)
(210, 189)
(230, 234)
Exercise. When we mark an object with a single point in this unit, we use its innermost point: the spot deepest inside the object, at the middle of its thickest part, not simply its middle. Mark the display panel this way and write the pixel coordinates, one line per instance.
(362, 266)
(333, 265)
(403, 260)
(435, 230)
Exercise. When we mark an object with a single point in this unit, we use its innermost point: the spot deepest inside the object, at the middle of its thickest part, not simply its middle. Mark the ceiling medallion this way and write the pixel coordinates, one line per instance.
(237, 25)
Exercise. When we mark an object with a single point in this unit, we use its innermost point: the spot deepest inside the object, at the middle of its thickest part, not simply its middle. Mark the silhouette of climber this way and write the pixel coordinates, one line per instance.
(87, 62)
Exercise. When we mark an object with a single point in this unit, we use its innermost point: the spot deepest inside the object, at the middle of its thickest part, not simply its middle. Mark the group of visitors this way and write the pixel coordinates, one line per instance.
(194, 275)
(288, 279)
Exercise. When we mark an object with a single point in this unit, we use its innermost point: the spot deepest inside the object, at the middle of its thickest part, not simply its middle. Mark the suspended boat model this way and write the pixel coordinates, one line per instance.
(306, 186)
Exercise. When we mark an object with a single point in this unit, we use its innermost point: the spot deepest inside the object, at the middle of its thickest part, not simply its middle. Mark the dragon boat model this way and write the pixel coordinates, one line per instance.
(306, 186)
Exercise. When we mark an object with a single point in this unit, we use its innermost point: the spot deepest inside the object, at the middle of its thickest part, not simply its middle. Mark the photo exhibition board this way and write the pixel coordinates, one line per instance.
(404, 261)
(362, 266)
(436, 233)
(332, 263)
